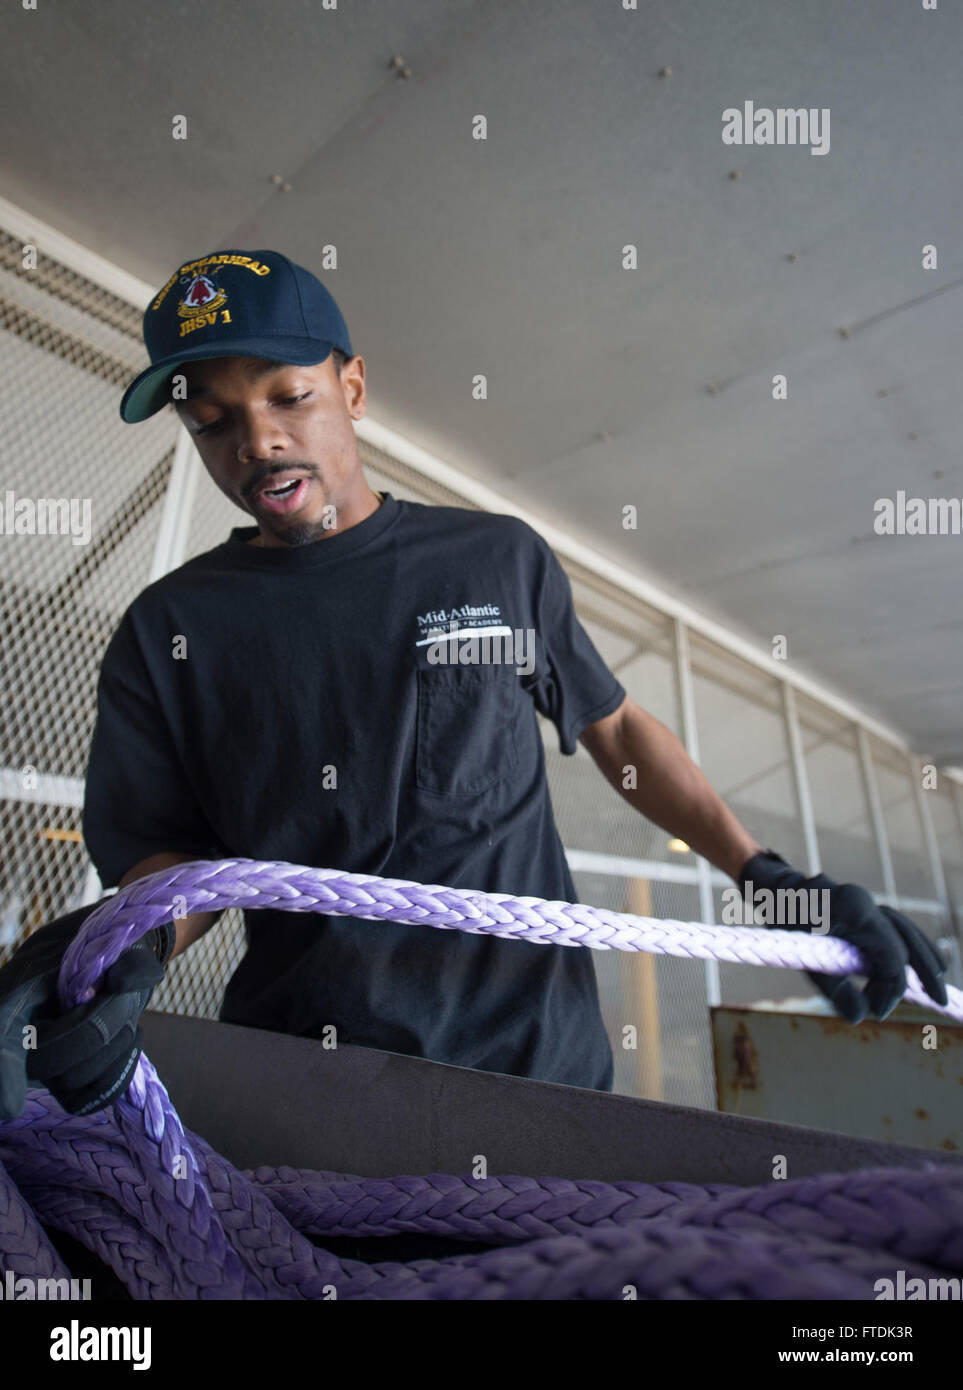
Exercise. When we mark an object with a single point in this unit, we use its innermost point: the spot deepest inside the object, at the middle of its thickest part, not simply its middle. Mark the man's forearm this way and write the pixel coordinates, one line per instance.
(670, 789)
(188, 929)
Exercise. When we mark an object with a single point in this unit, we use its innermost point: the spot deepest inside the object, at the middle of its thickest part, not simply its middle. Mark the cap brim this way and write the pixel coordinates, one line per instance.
(149, 392)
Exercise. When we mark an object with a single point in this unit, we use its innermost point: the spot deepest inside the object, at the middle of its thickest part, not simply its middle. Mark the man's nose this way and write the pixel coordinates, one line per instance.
(258, 437)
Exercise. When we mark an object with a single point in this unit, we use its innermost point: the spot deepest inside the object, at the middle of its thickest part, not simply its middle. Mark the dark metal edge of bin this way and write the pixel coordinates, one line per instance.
(269, 1098)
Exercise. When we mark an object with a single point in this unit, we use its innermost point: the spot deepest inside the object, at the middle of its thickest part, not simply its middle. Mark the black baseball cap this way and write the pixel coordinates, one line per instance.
(233, 304)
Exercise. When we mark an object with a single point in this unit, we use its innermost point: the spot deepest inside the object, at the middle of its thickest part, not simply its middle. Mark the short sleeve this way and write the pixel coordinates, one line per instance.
(571, 684)
(137, 799)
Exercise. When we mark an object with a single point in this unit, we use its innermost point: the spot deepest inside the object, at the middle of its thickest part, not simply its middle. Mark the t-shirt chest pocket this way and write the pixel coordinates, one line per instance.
(466, 728)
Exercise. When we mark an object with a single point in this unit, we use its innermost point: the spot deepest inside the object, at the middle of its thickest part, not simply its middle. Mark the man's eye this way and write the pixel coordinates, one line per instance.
(284, 400)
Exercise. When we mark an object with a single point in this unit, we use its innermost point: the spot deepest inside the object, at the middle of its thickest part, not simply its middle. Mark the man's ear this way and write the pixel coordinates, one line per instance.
(353, 385)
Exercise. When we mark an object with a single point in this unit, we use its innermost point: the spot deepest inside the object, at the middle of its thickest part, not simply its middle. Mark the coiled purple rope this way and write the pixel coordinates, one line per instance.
(175, 1220)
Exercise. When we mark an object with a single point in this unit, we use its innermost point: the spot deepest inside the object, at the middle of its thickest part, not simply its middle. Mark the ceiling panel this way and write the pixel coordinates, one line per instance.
(504, 257)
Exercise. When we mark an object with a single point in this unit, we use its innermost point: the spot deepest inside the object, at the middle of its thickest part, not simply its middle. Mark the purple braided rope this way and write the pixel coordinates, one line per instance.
(25, 1249)
(210, 885)
(831, 1236)
(174, 1219)
(918, 1215)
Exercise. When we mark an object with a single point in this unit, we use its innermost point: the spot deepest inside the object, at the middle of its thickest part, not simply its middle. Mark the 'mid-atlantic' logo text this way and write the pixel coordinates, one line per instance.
(472, 635)
(441, 617)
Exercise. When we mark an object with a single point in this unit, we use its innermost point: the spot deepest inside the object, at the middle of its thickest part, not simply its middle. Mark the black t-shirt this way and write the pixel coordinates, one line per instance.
(281, 703)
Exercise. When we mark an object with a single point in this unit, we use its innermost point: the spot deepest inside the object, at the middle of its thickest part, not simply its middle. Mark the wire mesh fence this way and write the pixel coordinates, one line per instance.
(66, 347)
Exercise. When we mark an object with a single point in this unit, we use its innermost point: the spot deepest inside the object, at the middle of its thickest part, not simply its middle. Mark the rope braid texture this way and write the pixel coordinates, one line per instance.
(175, 1220)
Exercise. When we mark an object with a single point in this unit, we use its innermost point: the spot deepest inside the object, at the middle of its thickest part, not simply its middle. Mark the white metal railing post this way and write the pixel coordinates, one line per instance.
(929, 832)
(169, 546)
(174, 524)
(956, 801)
(800, 779)
(93, 889)
(875, 811)
(690, 737)
(948, 924)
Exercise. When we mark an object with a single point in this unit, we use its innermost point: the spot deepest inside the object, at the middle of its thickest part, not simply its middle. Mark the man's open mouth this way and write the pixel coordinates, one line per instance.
(282, 497)
(283, 491)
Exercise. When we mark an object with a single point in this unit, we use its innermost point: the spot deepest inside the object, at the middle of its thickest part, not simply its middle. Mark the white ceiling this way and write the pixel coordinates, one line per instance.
(605, 386)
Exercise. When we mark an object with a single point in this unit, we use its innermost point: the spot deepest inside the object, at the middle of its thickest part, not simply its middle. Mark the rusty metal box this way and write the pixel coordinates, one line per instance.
(797, 1062)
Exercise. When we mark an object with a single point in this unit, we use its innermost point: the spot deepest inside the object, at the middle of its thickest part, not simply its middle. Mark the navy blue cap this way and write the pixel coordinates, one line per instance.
(233, 304)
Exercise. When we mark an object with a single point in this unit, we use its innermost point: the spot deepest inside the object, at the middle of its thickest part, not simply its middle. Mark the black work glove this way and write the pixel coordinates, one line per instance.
(86, 1056)
(887, 939)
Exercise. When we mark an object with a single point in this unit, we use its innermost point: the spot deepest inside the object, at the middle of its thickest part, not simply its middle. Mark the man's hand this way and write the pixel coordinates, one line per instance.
(85, 1057)
(887, 939)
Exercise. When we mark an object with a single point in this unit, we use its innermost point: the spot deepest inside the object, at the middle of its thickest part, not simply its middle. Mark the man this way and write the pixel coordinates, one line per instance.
(286, 696)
